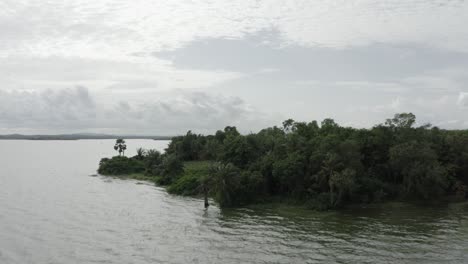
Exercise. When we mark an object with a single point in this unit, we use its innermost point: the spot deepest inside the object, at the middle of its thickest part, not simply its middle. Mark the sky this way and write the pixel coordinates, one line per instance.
(155, 67)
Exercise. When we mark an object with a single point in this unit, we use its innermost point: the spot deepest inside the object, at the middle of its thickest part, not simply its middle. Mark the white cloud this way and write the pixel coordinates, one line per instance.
(119, 29)
(58, 72)
(48, 108)
(463, 99)
(72, 110)
(388, 87)
(439, 110)
(364, 58)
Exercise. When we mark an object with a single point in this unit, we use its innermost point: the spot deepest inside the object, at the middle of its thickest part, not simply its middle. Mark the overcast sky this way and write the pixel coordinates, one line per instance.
(163, 67)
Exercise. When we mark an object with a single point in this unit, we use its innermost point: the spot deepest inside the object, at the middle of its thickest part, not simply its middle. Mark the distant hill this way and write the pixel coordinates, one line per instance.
(78, 136)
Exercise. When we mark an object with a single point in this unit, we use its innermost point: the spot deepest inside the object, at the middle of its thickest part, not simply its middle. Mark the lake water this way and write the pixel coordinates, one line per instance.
(53, 211)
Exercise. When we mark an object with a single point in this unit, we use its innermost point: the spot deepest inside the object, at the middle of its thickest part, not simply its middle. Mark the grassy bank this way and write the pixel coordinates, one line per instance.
(187, 183)
(190, 181)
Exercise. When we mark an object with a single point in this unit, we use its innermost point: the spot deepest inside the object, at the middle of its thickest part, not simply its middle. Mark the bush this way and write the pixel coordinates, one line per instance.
(120, 165)
(152, 161)
(171, 167)
(235, 187)
(321, 202)
(194, 175)
(188, 184)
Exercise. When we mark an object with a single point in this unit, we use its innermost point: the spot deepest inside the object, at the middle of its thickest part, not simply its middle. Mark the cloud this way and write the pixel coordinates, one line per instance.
(438, 110)
(75, 109)
(463, 99)
(121, 30)
(157, 66)
(375, 62)
(100, 74)
(49, 108)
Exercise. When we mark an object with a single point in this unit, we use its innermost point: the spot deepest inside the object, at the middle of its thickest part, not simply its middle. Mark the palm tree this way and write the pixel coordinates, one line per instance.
(141, 153)
(120, 146)
(221, 177)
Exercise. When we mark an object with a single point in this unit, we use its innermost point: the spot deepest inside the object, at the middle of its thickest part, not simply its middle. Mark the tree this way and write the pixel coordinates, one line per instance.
(169, 169)
(288, 125)
(416, 166)
(403, 120)
(232, 186)
(120, 146)
(140, 153)
(342, 184)
(324, 166)
(288, 173)
(152, 161)
(239, 150)
(231, 131)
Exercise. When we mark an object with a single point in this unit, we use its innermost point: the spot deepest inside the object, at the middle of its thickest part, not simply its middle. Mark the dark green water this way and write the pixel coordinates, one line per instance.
(52, 211)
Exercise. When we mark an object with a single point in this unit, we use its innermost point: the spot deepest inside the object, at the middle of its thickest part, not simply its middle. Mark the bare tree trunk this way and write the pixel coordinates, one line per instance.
(205, 192)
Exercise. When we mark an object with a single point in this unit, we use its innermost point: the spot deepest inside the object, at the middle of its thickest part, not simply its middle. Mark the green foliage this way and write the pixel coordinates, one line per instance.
(288, 172)
(163, 168)
(152, 160)
(234, 187)
(191, 180)
(140, 153)
(403, 120)
(169, 169)
(416, 166)
(120, 146)
(120, 165)
(194, 176)
(322, 166)
(342, 186)
(187, 184)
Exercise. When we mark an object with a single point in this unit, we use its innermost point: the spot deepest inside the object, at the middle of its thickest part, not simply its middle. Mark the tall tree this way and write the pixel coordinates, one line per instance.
(402, 120)
(120, 146)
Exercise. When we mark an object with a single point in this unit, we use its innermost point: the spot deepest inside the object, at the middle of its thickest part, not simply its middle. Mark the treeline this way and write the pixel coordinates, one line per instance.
(323, 165)
(328, 165)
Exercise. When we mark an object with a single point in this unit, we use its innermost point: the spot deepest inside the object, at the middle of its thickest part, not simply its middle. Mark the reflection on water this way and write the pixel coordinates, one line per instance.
(51, 211)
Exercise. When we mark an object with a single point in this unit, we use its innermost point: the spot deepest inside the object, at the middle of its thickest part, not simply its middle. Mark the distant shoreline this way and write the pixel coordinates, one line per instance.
(78, 137)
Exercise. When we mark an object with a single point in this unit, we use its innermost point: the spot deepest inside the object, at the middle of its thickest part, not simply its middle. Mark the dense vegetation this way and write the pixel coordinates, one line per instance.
(320, 165)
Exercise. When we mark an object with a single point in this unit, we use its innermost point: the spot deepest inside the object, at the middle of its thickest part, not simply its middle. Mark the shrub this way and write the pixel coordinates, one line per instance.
(120, 165)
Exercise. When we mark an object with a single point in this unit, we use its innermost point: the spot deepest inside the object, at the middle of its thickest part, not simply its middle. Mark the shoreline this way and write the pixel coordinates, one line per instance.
(286, 203)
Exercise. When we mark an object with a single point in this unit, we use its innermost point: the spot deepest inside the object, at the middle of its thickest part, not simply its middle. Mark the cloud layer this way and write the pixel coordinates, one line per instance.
(121, 29)
(76, 109)
(154, 66)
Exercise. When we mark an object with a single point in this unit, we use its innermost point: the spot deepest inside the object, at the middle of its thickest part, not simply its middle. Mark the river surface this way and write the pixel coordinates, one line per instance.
(53, 211)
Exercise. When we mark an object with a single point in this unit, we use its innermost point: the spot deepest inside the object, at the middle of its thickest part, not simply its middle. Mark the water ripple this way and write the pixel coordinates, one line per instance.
(61, 217)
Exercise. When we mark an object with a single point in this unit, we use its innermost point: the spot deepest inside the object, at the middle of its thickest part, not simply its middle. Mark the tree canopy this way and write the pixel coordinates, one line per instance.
(319, 164)
(120, 146)
(333, 164)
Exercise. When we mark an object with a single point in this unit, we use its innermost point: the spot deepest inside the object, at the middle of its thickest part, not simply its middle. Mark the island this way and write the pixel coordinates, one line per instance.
(318, 166)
